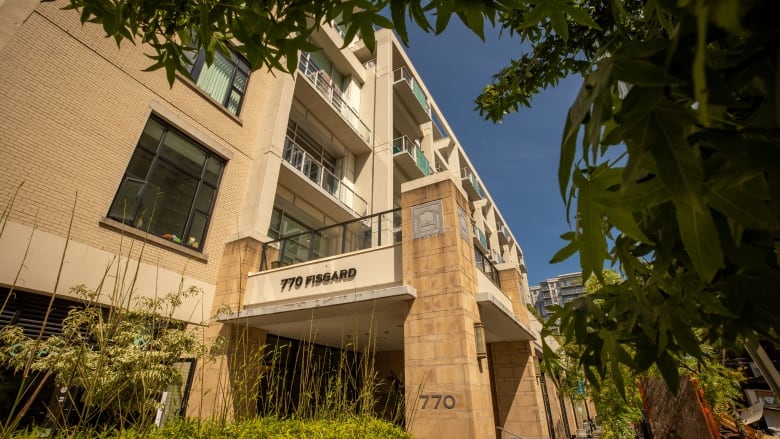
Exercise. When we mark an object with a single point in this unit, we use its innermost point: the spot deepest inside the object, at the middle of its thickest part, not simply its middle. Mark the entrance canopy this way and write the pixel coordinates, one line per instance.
(337, 320)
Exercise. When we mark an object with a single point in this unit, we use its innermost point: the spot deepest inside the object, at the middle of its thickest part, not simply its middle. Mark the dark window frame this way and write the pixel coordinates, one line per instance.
(131, 215)
(240, 65)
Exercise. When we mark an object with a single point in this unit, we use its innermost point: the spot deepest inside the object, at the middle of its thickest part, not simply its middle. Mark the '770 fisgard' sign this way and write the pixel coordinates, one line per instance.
(318, 279)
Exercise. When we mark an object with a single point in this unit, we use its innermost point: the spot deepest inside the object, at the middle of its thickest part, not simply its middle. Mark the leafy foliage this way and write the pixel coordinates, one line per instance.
(669, 166)
(615, 393)
(269, 34)
(719, 383)
(270, 428)
(120, 360)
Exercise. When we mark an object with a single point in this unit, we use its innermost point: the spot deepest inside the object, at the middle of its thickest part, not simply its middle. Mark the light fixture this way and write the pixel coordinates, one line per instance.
(479, 335)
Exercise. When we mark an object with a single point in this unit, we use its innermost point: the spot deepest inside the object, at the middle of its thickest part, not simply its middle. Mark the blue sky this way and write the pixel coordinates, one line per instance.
(517, 160)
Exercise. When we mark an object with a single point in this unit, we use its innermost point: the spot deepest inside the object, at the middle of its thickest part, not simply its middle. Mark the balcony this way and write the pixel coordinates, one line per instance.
(377, 230)
(411, 94)
(325, 101)
(481, 239)
(471, 184)
(410, 158)
(495, 257)
(503, 234)
(322, 177)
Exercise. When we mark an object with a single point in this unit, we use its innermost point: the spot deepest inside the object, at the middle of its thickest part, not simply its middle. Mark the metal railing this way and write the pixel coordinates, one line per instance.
(372, 231)
(484, 265)
(403, 143)
(333, 95)
(401, 74)
(322, 177)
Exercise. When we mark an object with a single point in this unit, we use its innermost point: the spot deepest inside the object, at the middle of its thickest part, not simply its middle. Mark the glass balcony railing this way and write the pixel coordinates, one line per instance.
(480, 235)
(405, 144)
(333, 95)
(401, 74)
(466, 174)
(360, 234)
(505, 231)
(322, 177)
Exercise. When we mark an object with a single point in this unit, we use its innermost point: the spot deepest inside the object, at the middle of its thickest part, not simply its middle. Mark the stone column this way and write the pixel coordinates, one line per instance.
(226, 388)
(511, 279)
(560, 417)
(447, 387)
(519, 404)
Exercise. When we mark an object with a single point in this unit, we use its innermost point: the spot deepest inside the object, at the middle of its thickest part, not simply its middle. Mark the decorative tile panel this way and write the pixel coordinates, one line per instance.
(427, 219)
(463, 224)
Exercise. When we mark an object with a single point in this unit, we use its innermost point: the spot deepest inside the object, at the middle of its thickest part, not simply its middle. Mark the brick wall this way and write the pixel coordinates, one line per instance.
(73, 109)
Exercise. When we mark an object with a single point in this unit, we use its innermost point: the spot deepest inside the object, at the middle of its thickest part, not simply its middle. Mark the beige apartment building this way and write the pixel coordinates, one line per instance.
(333, 204)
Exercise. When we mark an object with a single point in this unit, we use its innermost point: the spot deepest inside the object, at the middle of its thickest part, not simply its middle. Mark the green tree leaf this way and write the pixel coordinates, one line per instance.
(701, 239)
(593, 246)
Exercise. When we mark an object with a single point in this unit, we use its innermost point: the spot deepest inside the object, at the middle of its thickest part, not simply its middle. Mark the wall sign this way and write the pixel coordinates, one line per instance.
(314, 280)
(434, 401)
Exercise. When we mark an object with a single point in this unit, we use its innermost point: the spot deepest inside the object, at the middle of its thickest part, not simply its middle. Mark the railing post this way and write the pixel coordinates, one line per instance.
(378, 229)
(311, 246)
(344, 238)
(282, 249)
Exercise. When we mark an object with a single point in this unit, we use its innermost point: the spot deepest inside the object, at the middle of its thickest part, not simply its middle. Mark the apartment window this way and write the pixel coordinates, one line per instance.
(169, 187)
(319, 154)
(330, 76)
(224, 80)
(282, 225)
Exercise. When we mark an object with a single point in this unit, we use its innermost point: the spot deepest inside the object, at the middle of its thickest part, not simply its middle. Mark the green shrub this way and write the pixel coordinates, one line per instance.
(258, 428)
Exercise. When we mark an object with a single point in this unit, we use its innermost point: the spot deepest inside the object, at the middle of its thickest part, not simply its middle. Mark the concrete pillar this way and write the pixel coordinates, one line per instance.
(447, 387)
(382, 159)
(263, 175)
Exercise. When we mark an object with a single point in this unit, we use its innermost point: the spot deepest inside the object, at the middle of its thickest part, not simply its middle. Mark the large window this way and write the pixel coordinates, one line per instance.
(283, 225)
(169, 187)
(224, 80)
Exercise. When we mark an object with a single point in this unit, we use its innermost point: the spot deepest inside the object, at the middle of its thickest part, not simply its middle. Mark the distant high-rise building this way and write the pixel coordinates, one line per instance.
(556, 291)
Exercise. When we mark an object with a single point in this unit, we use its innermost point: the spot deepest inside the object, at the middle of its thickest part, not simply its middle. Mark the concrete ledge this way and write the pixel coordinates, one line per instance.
(500, 323)
(153, 239)
(402, 292)
(373, 318)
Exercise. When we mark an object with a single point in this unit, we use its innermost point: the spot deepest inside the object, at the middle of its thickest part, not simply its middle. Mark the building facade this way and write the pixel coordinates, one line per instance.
(331, 206)
(559, 290)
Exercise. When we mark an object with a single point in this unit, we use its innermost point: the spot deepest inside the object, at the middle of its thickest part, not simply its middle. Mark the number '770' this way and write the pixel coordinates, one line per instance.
(436, 401)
